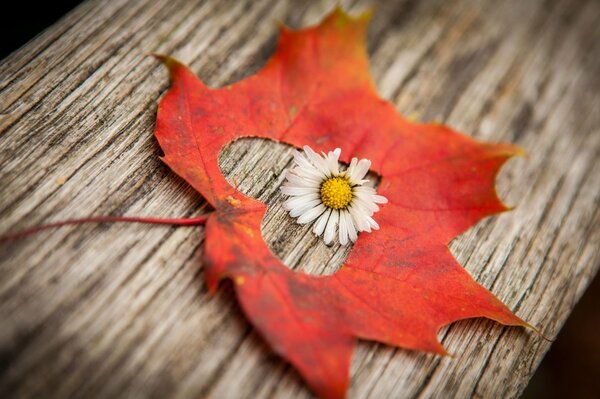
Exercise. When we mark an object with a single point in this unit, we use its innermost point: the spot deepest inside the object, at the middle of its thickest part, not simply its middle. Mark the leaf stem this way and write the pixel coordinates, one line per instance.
(196, 221)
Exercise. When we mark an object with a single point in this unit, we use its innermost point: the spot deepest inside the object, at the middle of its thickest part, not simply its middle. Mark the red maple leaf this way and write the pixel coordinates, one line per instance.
(399, 285)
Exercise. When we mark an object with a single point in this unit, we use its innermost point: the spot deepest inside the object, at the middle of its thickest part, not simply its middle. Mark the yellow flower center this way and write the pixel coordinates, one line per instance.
(336, 192)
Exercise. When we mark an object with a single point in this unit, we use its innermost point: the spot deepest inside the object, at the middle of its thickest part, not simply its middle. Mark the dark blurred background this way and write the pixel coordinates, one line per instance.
(28, 18)
(571, 369)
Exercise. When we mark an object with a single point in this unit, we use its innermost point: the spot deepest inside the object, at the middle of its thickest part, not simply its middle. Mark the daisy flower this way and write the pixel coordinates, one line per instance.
(337, 199)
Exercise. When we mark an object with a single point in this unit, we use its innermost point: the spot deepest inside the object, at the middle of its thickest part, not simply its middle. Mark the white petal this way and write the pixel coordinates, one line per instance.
(294, 202)
(297, 181)
(360, 220)
(351, 168)
(336, 153)
(319, 226)
(291, 190)
(331, 226)
(309, 171)
(305, 166)
(360, 171)
(373, 223)
(366, 202)
(380, 199)
(316, 160)
(312, 214)
(300, 159)
(350, 227)
(365, 190)
(343, 231)
(304, 208)
(333, 161)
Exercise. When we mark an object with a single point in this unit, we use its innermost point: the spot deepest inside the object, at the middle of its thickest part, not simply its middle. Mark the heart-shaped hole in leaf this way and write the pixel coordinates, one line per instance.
(256, 167)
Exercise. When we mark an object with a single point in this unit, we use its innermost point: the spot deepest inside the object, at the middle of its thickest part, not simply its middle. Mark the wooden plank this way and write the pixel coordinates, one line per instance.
(107, 310)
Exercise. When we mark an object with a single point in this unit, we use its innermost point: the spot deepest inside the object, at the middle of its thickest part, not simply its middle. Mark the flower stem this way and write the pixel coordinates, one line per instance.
(197, 221)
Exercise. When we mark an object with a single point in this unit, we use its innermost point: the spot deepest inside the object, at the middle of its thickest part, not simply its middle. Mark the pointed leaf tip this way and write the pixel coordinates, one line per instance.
(169, 62)
(340, 16)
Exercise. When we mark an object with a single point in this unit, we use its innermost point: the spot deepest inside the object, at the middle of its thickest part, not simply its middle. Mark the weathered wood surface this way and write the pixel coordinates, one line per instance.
(122, 310)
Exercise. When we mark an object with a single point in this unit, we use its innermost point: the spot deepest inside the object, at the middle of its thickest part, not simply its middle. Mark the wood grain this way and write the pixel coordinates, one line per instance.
(122, 310)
